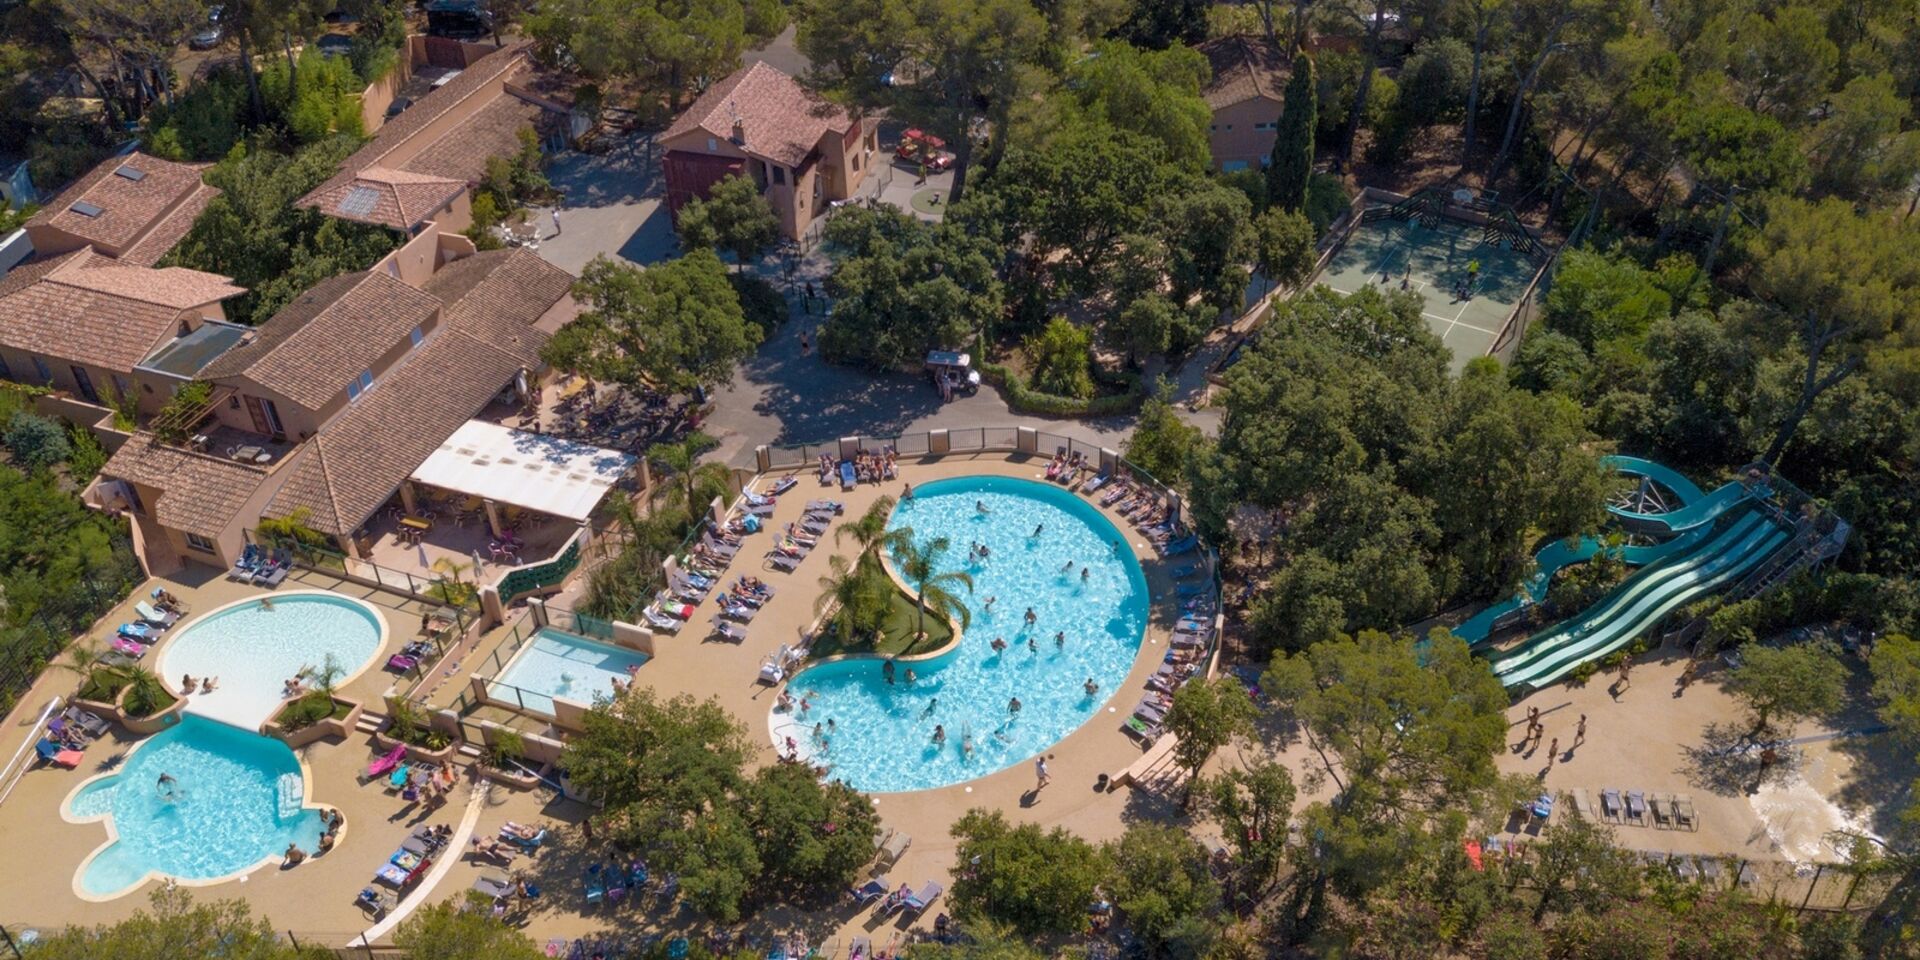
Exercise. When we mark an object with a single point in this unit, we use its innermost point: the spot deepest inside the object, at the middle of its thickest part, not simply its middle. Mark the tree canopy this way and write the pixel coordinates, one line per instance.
(676, 326)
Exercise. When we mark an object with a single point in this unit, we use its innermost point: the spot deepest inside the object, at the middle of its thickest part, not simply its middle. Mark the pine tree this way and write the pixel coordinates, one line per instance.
(1292, 161)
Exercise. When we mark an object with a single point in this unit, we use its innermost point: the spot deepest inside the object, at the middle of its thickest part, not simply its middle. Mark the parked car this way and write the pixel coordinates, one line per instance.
(215, 31)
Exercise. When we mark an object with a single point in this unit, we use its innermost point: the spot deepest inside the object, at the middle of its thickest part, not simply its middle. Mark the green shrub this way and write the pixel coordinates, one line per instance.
(311, 709)
(764, 305)
(146, 695)
(1024, 399)
(87, 456)
(1579, 675)
(36, 441)
(505, 748)
(1327, 199)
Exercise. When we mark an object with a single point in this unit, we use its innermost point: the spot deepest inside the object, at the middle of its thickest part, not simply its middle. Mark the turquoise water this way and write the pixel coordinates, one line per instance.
(559, 664)
(237, 800)
(882, 736)
(254, 650)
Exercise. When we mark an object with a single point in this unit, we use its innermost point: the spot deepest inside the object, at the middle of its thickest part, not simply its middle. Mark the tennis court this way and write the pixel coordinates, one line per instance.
(1432, 261)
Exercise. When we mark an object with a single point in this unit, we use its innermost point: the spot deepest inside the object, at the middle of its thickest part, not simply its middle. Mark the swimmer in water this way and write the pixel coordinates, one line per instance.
(167, 782)
(1031, 616)
(1060, 639)
(1085, 572)
(1092, 688)
(998, 644)
(1037, 530)
(1013, 705)
(1032, 646)
(980, 506)
(990, 601)
(1068, 567)
(939, 734)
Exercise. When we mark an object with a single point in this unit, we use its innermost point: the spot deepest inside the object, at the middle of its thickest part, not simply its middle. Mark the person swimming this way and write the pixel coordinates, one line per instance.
(980, 506)
(1060, 639)
(911, 676)
(1085, 573)
(1013, 705)
(166, 783)
(998, 644)
(1092, 688)
(1033, 646)
(989, 603)
(1031, 616)
(1037, 530)
(931, 706)
(939, 734)
(1068, 567)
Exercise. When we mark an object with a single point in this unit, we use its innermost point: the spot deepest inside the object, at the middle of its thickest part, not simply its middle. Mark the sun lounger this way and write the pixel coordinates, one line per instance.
(1637, 807)
(58, 754)
(1150, 709)
(1662, 812)
(510, 835)
(771, 672)
(1141, 730)
(131, 648)
(140, 631)
(731, 631)
(1583, 805)
(90, 722)
(250, 560)
(1683, 815)
(1710, 871)
(815, 527)
(385, 764)
(758, 509)
(739, 611)
(660, 621)
(848, 479)
(870, 891)
(1180, 546)
(493, 885)
(894, 847)
(154, 615)
(1610, 805)
(271, 574)
(717, 548)
(783, 561)
(919, 900)
(397, 780)
(831, 506)
(783, 485)
(1686, 869)
(861, 948)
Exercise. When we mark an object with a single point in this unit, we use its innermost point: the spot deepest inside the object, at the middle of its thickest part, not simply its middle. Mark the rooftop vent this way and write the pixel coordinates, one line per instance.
(86, 209)
(359, 201)
(130, 173)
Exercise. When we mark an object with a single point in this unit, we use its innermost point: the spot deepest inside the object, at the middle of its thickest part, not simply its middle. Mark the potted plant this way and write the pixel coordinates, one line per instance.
(500, 760)
(318, 713)
(407, 723)
(146, 706)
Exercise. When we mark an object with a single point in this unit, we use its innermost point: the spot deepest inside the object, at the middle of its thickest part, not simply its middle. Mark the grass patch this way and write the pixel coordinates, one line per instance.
(896, 637)
(311, 709)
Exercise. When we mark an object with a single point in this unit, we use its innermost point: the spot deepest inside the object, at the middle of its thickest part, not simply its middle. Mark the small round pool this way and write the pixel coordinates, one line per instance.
(237, 799)
(882, 737)
(255, 646)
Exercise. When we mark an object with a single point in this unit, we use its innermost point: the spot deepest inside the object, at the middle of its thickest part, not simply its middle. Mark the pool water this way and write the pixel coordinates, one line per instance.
(559, 664)
(238, 799)
(882, 734)
(254, 650)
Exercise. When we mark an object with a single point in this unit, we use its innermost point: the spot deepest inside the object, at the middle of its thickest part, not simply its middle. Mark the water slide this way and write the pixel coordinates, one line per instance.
(1686, 491)
(1559, 554)
(1641, 601)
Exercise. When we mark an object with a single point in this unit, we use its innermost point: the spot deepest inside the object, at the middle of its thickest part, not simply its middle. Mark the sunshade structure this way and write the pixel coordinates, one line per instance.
(551, 475)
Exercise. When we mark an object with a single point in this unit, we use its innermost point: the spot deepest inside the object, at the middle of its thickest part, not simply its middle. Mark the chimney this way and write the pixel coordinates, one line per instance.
(739, 136)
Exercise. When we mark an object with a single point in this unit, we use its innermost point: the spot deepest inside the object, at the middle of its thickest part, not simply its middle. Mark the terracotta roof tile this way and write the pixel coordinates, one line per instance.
(87, 307)
(782, 120)
(1244, 68)
(167, 232)
(417, 118)
(386, 197)
(199, 493)
(319, 342)
(128, 207)
(492, 131)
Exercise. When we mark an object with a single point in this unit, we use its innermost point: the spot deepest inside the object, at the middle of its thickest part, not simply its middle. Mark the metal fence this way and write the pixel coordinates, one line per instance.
(461, 598)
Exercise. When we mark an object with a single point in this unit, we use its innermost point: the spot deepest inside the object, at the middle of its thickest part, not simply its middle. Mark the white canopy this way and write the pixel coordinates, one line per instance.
(552, 475)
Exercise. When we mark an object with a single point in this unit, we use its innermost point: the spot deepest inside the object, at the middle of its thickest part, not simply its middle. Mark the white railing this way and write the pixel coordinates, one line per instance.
(22, 759)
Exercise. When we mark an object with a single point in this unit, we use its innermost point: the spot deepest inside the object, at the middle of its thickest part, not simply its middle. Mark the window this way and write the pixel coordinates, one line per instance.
(1213, 128)
(84, 384)
(780, 175)
(856, 163)
(360, 385)
(40, 367)
(121, 388)
(200, 543)
(713, 145)
(1229, 128)
(416, 336)
(1269, 125)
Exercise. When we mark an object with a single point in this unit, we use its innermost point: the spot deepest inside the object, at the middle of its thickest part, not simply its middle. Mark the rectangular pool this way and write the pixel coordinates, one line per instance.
(555, 663)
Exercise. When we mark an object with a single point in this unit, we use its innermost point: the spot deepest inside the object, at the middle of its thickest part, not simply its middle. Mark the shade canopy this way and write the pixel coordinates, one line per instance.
(552, 475)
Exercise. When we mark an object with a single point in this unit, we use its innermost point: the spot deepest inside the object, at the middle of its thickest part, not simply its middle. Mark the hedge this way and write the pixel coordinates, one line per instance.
(1023, 399)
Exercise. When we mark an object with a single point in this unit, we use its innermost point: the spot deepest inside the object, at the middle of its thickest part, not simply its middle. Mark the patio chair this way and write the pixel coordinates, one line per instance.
(1710, 871)
(1583, 804)
(250, 558)
(730, 631)
(830, 506)
(921, 899)
(1685, 869)
(90, 722)
(870, 891)
(660, 621)
(1637, 807)
(894, 847)
(1610, 805)
(1683, 814)
(1662, 813)
(783, 562)
(861, 948)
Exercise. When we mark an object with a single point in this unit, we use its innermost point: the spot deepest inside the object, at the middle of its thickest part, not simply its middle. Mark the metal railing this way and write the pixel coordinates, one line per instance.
(459, 596)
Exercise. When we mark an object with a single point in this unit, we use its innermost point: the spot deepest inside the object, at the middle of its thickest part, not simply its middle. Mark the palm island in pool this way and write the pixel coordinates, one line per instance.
(209, 798)
(1088, 622)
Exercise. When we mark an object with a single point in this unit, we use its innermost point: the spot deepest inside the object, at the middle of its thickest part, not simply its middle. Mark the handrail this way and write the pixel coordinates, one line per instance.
(12, 775)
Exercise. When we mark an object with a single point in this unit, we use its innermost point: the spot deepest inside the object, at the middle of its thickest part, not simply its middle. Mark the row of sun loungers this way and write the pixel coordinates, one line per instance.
(257, 567)
(1671, 811)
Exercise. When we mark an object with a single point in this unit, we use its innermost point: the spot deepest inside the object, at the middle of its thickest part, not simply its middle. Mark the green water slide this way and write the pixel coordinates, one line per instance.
(1680, 577)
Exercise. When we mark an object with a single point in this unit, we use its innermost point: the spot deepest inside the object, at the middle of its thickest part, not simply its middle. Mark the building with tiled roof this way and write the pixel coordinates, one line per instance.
(1246, 92)
(801, 151)
(327, 407)
(134, 208)
(421, 165)
(90, 325)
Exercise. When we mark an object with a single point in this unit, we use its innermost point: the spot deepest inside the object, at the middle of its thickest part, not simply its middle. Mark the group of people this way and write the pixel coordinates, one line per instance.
(205, 684)
(872, 467)
(332, 821)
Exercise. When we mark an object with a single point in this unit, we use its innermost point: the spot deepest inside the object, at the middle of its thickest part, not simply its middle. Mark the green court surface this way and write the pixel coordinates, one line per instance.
(1432, 261)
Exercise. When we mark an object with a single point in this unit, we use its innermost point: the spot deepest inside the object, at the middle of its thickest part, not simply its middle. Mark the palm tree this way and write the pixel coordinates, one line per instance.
(916, 562)
(850, 584)
(326, 676)
(683, 458)
(146, 695)
(870, 531)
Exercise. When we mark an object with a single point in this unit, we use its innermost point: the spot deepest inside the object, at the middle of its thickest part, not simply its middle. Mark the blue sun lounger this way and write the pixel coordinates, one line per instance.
(848, 480)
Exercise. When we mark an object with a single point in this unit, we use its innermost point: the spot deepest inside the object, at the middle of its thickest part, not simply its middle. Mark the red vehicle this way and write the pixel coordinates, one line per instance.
(918, 147)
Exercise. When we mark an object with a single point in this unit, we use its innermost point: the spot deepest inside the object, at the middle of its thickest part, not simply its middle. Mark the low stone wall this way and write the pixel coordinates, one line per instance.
(319, 730)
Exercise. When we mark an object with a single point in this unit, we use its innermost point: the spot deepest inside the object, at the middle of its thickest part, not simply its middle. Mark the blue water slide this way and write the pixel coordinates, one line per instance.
(1684, 490)
(1700, 512)
(1641, 602)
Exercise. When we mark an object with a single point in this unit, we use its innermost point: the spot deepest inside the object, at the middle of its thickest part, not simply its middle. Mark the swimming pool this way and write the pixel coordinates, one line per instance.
(254, 648)
(237, 799)
(559, 664)
(882, 733)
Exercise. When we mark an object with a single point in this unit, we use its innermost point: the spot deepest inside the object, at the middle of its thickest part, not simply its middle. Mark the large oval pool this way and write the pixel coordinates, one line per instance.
(882, 734)
(233, 800)
(254, 646)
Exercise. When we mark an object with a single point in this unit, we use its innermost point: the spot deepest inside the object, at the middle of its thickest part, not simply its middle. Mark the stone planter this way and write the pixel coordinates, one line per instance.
(339, 727)
(383, 743)
(146, 726)
(105, 711)
(512, 779)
